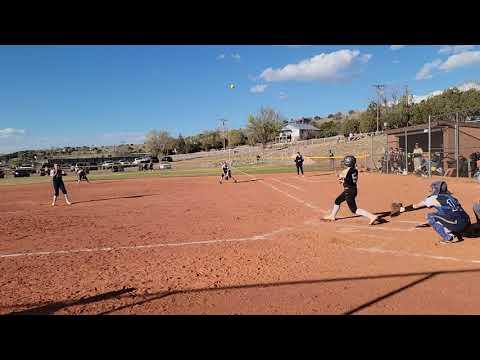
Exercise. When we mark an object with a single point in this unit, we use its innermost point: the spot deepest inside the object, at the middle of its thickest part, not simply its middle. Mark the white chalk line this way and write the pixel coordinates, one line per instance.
(134, 247)
(405, 253)
(287, 184)
(313, 207)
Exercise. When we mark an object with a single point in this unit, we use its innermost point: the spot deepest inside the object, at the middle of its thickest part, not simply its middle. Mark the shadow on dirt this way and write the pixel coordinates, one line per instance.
(56, 306)
(115, 198)
(247, 181)
(425, 276)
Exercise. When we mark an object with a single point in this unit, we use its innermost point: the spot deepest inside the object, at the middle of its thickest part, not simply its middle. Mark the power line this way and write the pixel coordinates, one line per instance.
(380, 89)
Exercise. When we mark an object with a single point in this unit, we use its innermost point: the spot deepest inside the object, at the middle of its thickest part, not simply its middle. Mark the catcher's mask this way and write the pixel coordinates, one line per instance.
(439, 187)
(349, 161)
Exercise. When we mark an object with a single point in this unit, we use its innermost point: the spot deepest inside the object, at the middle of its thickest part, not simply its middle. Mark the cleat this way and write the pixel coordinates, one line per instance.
(374, 220)
(328, 218)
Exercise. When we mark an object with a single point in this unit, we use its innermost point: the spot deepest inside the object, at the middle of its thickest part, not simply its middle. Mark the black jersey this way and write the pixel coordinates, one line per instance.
(299, 160)
(225, 168)
(349, 178)
(57, 175)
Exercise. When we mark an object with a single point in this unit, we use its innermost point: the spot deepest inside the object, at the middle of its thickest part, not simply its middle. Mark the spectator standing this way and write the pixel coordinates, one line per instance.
(417, 157)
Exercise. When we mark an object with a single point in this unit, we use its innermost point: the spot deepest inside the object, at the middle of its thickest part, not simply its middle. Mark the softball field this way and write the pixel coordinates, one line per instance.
(188, 245)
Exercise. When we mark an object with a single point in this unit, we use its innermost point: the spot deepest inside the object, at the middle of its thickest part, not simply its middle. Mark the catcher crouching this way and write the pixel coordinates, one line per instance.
(450, 219)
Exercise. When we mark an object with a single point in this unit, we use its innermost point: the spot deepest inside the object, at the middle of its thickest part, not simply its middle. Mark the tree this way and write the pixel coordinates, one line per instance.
(159, 142)
(180, 144)
(351, 126)
(264, 126)
(327, 129)
(330, 116)
(236, 137)
(350, 112)
(368, 118)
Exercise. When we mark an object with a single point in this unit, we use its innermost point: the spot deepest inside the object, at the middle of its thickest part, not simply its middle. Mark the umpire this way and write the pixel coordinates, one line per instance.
(299, 163)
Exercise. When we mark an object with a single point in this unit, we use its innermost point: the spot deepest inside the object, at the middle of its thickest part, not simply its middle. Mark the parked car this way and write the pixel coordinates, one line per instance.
(27, 167)
(125, 163)
(107, 165)
(165, 166)
(154, 159)
(117, 168)
(2, 173)
(139, 161)
(93, 166)
(21, 173)
(167, 159)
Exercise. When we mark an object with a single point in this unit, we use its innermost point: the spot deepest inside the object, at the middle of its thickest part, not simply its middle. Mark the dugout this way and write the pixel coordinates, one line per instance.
(444, 140)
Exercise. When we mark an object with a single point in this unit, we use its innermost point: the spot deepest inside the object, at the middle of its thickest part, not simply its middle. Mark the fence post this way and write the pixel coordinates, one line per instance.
(387, 156)
(456, 145)
(406, 151)
(429, 146)
(371, 151)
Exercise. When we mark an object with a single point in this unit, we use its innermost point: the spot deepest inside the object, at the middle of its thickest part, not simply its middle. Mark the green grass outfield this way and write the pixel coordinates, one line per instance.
(105, 175)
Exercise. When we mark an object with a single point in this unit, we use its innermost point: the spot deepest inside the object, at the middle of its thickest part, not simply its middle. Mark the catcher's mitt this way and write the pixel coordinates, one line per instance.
(395, 211)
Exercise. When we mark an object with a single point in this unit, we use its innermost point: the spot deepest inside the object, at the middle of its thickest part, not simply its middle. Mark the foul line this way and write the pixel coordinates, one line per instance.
(134, 247)
(292, 186)
(405, 253)
(288, 194)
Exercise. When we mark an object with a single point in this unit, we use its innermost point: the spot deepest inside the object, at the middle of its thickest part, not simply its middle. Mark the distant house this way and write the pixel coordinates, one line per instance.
(298, 131)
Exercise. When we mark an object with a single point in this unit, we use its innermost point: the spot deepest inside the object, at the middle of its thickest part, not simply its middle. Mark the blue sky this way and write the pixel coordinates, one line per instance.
(89, 95)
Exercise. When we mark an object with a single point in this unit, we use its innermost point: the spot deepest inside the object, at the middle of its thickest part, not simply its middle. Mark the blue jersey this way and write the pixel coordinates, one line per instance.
(446, 205)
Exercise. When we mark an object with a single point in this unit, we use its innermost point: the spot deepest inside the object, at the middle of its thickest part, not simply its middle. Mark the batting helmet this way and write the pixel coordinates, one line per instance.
(349, 161)
(439, 187)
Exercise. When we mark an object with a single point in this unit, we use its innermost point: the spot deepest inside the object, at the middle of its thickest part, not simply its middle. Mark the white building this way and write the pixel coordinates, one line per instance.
(296, 131)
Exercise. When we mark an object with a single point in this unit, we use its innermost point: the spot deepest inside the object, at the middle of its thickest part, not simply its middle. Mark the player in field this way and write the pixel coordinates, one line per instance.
(57, 173)
(226, 172)
(449, 221)
(81, 174)
(349, 179)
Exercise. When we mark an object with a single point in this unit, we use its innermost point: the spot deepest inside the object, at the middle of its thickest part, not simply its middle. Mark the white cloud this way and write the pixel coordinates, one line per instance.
(463, 87)
(258, 88)
(9, 132)
(426, 71)
(236, 56)
(396, 47)
(455, 49)
(462, 59)
(282, 95)
(325, 66)
(221, 57)
(365, 58)
(459, 60)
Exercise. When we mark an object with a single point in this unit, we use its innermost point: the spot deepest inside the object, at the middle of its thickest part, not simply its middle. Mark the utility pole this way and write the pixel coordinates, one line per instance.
(223, 121)
(379, 88)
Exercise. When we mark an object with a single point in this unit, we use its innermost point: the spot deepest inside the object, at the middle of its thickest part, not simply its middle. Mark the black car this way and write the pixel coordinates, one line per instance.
(21, 173)
(117, 168)
(2, 173)
(167, 159)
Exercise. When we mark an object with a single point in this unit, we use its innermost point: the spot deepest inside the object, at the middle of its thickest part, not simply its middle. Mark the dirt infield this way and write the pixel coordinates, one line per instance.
(193, 246)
